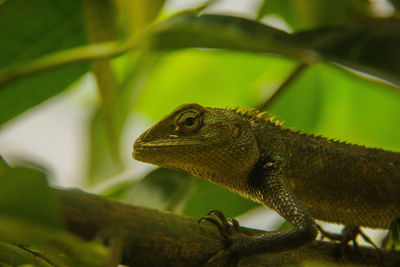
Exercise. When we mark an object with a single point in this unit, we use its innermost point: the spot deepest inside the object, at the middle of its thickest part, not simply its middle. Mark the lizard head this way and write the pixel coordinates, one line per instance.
(211, 143)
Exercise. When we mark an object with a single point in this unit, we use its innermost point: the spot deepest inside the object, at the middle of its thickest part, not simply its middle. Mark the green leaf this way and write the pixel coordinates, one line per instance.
(116, 99)
(315, 13)
(217, 31)
(104, 162)
(25, 94)
(210, 197)
(139, 13)
(57, 245)
(3, 166)
(106, 128)
(13, 255)
(24, 194)
(119, 190)
(30, 29)
(304, 95)
(231, 78)
(284, 226)
(100, 19)
(30, 215)
(356, 110)
(370, 45)
(330, 101)
(162, 189)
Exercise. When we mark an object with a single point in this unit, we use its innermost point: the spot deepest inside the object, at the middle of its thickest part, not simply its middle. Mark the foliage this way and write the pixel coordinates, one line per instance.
(147, 61)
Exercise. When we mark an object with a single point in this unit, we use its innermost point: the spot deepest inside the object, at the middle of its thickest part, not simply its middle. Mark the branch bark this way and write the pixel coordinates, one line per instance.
(147, 237)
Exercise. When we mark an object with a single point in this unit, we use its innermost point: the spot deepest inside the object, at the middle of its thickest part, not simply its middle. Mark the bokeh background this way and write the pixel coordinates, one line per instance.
(79, 120)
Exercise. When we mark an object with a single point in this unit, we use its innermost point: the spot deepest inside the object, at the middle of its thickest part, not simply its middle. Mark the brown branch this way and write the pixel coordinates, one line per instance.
(147, 237)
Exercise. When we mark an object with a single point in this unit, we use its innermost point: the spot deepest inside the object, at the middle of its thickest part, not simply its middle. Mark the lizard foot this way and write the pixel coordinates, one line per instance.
(349, 233)
(232, 235)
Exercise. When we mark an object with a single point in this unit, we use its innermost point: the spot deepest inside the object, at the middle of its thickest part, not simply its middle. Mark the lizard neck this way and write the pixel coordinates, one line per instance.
(238, 163)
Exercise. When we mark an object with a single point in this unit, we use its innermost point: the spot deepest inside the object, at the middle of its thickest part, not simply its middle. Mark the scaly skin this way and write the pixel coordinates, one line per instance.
(302, 177)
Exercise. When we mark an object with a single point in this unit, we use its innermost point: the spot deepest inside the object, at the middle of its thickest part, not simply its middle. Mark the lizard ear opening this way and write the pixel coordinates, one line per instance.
(188, 121)
(236, 131)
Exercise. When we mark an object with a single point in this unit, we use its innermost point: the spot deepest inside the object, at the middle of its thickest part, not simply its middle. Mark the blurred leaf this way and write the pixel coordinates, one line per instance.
(105, 157)
(24, 194)
(212, 78)
(396, 5)
(134, 81)
(99, 18)
(138, 14)
(369, 45)
(357, 110)
(210, 197)
(394, 241)
(29, 29)
(330, 101)
(30, 216)
(3, 166)
(40, 28)
(104, 161)
(305, 97)
(116, 99)
(120, 190)
(56, 245)
(315, 13)
(13, 255)
(217, 31)
(284, 226)
(162, 189)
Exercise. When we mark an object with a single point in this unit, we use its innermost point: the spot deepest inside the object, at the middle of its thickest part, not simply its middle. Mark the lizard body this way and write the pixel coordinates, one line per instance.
(302, 177)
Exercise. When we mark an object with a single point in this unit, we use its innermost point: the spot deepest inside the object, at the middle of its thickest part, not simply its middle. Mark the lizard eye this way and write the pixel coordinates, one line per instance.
(189, 121)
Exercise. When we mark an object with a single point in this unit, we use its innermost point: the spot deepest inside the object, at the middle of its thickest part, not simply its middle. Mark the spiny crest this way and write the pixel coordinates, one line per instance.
(305, 133)
(320, 136)
(316, 135)
(256, 115)
(339, 141)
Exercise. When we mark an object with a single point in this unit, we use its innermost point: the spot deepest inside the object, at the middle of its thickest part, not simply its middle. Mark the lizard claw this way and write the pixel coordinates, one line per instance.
(227, 227)
(235, 224)
(230, 231)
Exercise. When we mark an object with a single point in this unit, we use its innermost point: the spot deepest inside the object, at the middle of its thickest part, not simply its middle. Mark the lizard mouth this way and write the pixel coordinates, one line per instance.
(143, 149)
(148, 150)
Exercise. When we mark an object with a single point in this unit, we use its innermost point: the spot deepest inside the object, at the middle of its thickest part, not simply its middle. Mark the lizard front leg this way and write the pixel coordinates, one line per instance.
(274, 194)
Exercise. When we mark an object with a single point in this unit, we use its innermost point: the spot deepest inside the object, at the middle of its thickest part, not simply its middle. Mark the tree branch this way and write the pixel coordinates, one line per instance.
(147, 237)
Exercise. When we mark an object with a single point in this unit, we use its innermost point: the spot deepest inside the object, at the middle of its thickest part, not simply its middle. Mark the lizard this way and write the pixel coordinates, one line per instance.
(303, 177)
